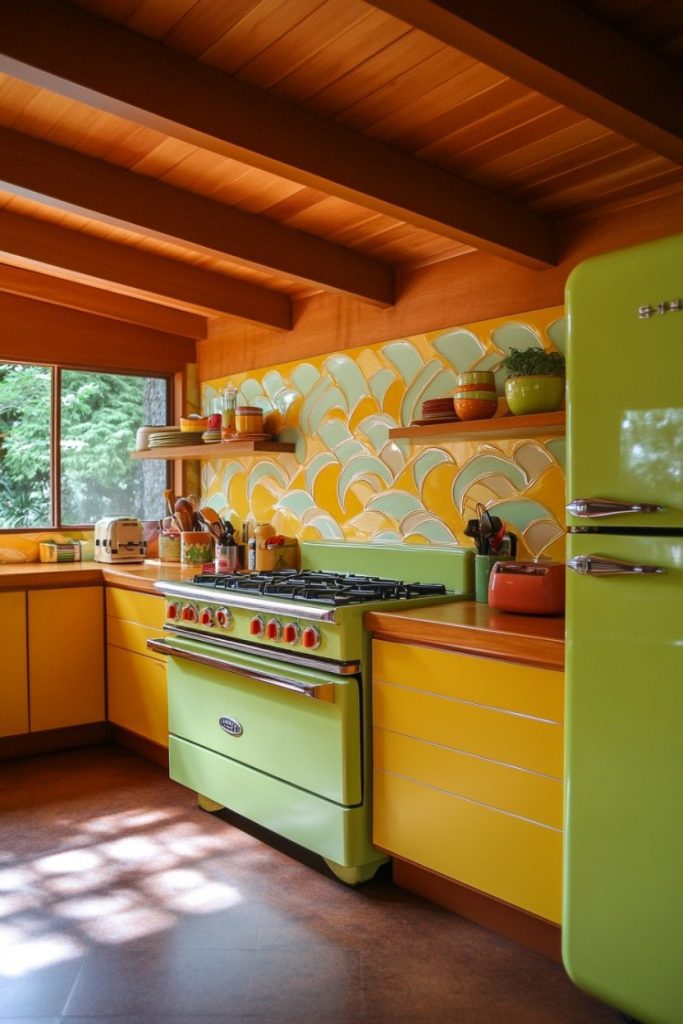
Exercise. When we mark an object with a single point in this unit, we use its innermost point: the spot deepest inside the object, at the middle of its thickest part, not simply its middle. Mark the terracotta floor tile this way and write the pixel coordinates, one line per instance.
(122, 903)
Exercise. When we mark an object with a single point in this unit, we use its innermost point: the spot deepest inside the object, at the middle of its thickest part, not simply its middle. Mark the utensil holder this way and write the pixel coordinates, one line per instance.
(196, 547)
(169, 547)
(482, 570)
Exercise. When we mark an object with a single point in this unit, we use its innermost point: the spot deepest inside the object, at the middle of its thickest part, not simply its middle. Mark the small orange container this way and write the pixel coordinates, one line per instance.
(248, 419)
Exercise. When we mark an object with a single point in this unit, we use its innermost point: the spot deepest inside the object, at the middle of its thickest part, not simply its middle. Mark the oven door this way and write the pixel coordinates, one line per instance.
(292, 729)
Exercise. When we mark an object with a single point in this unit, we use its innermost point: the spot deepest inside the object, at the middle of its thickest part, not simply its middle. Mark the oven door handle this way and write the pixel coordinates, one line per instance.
(319, 691)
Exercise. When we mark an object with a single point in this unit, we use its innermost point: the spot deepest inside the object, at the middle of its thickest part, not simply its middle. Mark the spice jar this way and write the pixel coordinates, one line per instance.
(248, 419)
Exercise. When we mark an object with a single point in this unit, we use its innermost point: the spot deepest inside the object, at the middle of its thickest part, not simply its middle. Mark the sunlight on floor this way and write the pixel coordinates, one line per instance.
(107, 890)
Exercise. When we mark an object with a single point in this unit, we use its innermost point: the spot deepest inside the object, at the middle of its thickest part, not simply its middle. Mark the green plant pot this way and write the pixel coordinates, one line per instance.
(527, 395)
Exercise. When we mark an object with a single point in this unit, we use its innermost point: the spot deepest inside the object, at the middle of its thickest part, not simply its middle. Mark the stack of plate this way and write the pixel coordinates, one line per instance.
(438, 410)
(211, 436)
(173, 438)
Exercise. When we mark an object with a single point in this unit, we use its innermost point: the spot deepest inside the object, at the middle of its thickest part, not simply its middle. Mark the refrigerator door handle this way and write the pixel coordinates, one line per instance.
(588, 508)
(596, 565)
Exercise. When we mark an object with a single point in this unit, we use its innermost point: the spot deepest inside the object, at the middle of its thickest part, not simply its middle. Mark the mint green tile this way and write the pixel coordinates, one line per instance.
(425, 462)
(460, 348)
(376, 428)
(305, 376)
(332, 398)
(397, 504)
(333, 433)
(557, 332)
(316, 465)
(295, 437)
(411, 406)
(360, 468)
(405, 357)
(263, 470)
(520, 513)
(479, 468)
(557, 447)
(380, 383)
(348, 376)
(296, 501)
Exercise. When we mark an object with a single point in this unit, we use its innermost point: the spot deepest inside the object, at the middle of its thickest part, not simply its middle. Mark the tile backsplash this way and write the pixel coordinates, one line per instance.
(348, 480)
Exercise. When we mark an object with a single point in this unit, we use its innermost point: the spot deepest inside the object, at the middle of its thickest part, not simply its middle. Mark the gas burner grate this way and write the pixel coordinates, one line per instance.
(318, 586)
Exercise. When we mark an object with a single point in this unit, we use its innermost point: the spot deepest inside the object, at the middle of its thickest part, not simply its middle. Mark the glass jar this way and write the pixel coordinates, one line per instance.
(248, 419)
(228, 412)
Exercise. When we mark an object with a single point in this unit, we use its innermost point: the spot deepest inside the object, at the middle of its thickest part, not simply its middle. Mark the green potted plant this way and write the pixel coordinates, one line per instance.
(535, 380)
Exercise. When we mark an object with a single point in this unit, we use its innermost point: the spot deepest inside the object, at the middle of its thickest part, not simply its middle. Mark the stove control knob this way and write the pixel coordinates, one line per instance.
(256, 626)
(206, 617)
(189, 613)
(223, 618)
(273, 629)
(291, 633)
(173, 610)
(310, 638)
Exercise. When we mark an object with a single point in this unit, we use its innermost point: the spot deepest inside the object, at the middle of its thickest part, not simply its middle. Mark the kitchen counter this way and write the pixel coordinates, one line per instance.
(475, 628)
(134, 576)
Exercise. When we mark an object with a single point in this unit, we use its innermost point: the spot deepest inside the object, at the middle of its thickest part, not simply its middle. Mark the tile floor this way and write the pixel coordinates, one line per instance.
(122, 902)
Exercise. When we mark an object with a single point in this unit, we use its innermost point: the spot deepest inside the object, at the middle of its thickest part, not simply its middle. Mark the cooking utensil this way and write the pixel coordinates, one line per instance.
(491, 530)
(184, 513)
(169, 498)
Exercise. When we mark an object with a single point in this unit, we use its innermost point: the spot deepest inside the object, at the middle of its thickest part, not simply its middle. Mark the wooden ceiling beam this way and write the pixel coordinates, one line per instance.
(52, 246)
(81, 184)
(115, 305)
(567, 54)
(70, 51)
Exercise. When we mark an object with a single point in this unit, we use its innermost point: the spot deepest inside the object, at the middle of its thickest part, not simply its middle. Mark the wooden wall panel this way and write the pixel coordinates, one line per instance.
(42, 332)
(463, 290)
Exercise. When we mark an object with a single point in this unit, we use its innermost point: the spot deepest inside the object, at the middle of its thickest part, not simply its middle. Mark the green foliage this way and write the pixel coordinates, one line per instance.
(100, 414)
(534, 361)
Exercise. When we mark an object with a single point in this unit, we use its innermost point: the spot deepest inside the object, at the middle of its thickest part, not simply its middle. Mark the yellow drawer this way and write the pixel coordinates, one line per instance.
(131, 636)
(516, 790)
(147, 609)
(498, 684)
(499, 854)
(512, 739)
(137, 694)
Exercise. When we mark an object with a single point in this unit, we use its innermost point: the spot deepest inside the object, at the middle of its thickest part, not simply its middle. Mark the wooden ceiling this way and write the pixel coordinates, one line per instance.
(203, 159)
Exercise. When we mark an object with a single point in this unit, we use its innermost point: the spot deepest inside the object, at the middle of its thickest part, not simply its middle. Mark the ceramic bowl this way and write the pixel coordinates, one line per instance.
(194, 423)
(477, 377)
(477, 386)
(488, 396)
(535, 393)
(475, 408)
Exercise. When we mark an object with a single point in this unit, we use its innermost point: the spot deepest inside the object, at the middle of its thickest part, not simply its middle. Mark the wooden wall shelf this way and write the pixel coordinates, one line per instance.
(221, 450)
(472, 430)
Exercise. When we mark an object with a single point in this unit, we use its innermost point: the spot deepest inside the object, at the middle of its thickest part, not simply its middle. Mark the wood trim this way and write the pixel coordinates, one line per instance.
(566, 54)
(61, 292)
(499, 426)
(52, 246)
(66, 180)
(43, 333)
(532, 932)
(463, 290)
(140, 745)
(50, 740)
(219, 450)
(188, 100)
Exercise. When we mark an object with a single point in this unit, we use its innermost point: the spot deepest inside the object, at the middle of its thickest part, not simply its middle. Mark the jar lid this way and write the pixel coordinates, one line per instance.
(248, 410)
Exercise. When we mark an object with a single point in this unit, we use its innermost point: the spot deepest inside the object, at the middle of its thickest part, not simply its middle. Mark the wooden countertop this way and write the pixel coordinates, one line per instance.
(134, 576)
(475, 628)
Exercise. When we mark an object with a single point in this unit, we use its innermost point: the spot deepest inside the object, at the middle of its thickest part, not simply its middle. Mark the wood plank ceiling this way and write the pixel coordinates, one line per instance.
(226, 159)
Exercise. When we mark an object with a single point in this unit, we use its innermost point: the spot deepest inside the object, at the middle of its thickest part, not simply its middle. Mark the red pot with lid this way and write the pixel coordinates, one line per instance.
(527, 588)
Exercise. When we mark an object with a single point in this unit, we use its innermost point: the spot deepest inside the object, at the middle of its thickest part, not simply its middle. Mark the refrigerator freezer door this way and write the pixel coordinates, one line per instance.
(623, 906)
(625, 383)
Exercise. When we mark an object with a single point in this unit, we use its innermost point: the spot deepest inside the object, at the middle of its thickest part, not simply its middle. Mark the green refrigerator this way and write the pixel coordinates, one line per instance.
(623, 882)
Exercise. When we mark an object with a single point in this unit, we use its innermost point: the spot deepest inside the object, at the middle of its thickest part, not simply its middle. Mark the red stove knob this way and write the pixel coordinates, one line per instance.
(256, 626)
(290, 633)
(223, 618)
(173, 610)
(206, 617)
(189, 613)
(310, 637)
(273, 629)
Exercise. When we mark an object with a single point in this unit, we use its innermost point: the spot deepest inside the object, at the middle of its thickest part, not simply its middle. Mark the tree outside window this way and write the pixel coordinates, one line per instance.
(90, 443)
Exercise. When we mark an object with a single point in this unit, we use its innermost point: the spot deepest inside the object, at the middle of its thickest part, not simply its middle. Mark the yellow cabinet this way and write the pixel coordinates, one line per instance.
(14, 675)
(136, 676)
(467, 770)
(66, 657)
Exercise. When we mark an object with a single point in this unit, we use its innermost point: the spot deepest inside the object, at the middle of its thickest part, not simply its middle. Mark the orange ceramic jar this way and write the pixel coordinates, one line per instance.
(248, 419)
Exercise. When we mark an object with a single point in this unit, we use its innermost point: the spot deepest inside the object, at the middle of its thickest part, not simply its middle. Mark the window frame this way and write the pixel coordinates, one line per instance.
(55, 435)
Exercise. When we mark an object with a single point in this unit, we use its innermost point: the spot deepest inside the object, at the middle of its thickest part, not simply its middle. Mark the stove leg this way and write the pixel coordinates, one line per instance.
(207, 804)
(355, 874)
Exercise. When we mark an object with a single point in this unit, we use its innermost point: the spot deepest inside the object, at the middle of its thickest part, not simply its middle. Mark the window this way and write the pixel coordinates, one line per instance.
(65, 443)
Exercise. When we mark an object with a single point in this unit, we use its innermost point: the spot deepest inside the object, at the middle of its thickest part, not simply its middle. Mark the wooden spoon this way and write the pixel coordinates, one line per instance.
(184, 513)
